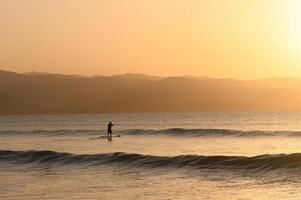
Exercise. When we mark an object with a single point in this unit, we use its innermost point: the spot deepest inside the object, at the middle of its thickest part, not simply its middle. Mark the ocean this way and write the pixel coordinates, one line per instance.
(235, 156)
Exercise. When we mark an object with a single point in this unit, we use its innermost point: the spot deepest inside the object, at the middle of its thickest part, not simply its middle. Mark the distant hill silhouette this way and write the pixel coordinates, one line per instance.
(42, 93)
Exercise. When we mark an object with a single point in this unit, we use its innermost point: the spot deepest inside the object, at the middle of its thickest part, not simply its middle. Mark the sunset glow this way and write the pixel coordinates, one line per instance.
(150, 99)
(244, 39)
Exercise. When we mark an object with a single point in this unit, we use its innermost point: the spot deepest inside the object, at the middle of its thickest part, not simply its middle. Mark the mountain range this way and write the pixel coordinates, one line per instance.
(43, 93)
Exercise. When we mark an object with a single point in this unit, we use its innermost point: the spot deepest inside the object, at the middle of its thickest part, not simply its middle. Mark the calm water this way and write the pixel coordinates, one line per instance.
(158, 156)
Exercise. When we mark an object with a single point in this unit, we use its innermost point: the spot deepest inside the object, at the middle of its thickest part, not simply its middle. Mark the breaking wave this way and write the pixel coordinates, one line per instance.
(257, 163)
(180, 132)
(212, 132)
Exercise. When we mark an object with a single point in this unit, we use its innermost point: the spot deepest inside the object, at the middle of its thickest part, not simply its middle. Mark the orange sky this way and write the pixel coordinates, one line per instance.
(219, 38)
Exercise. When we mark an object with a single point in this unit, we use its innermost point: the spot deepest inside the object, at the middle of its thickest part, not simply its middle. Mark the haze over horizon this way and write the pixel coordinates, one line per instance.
(242, 40)
(144, 74)
(209, 56)
(38, 93)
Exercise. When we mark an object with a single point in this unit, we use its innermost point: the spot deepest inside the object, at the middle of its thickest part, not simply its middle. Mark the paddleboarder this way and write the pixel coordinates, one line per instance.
(110, 129)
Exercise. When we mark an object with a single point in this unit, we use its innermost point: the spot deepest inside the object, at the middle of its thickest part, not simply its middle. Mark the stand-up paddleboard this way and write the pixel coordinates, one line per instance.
(104, 136)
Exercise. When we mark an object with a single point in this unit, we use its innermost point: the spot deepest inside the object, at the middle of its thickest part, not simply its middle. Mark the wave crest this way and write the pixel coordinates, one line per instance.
(257, 163)
(179, 132)
(212, 132)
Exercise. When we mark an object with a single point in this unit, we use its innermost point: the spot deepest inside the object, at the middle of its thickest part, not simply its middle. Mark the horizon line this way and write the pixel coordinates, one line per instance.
(149, 75)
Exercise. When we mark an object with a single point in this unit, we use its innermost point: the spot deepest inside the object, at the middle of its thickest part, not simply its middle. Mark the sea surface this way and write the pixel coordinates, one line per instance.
(235, 156)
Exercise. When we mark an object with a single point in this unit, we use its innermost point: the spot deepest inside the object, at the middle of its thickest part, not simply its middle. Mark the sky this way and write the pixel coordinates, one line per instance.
(242, 39)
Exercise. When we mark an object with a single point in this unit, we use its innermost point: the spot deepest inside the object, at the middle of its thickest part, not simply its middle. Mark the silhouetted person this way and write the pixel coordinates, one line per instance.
(110, 129)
